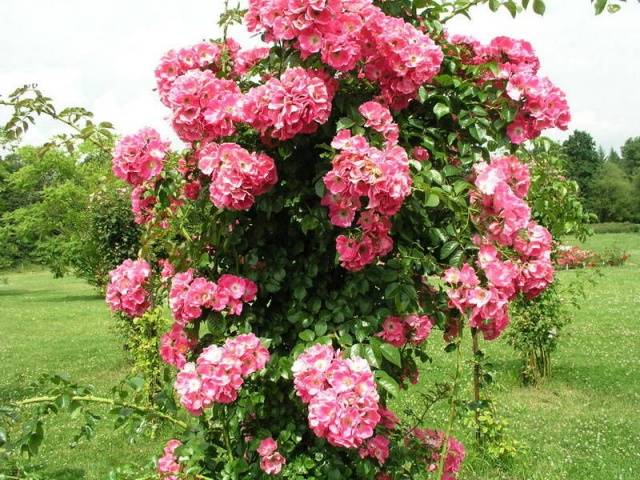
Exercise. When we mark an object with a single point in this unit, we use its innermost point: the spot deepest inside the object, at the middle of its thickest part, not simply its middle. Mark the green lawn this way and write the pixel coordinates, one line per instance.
(585, 422)
(62, 325)
(582, 424)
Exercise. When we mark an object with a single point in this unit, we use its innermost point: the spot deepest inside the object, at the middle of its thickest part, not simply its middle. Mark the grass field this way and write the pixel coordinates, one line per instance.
(62, 325)
(582, 424)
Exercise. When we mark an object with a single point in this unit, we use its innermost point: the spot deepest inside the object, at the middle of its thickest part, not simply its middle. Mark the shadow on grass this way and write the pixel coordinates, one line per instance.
(13, 292)
(87, 297)
(68, 474)
(18, 388)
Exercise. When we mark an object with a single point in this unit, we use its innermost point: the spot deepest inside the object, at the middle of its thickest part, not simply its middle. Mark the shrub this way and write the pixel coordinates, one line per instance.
(622, 227)
(573, 257)
(339, 201)
(535, 332)
(108, 234)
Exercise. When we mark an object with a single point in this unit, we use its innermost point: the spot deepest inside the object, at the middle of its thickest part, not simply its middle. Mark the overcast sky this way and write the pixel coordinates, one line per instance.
(101, 55)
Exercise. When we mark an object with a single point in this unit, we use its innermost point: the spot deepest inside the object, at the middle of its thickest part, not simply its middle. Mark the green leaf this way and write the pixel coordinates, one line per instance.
(539, 6)
(422, 94)
(494, 5)
(136, 383)
(477, 132)
(319, 188)
(432, 200)
(356, 350)
(309, 222)
(387, 382)
(450, 170)
(600, 5)
(320, 328)
(307, 335)
(441, 110)
(460, 186)
(391, 353)
(613, 8)
(344, 122)
(370, 356)
(512, 7)
(447, 249)
(451, 347)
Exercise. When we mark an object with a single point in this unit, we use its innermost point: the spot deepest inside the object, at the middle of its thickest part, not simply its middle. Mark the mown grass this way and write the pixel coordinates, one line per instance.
(62, 325)
(582, 424)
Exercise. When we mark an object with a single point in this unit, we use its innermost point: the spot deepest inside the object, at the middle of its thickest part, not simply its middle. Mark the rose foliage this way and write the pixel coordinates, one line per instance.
(345, 191)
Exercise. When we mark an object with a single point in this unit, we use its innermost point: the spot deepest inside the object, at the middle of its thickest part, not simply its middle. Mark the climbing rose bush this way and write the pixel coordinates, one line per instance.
(348, 193)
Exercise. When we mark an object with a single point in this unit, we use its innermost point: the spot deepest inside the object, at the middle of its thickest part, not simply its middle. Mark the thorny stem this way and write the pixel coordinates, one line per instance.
(462, 9)
(225, 433)
(226, 25)
(54, 116)
(476, 381)
(452, 410)
(105, 401)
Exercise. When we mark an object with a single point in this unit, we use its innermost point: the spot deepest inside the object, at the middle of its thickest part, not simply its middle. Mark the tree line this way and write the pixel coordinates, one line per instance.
(609, 182)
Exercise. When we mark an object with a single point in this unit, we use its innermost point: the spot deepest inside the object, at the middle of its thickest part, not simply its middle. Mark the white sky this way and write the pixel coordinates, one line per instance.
(101, 56)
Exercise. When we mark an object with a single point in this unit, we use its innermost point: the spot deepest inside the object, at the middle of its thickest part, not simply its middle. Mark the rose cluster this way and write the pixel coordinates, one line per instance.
(376, 447)
(245, 60)
(168, 465)
(542, 105)
(332, 28)
(219, 372)
(204, 107)
(127, 291)
(505, 221)
(139, 157)
(349, 34)
(271, 461)
(174, 64)
(400, 58)
(511, 55)
(399, 330)
(143, 203)
(204, 56)
(175, 345)
(189, 295)
(379, 118)
(237, 176)
(502, 186)
(298, 102)
(434, 440)
(341, 394)
(361, 170)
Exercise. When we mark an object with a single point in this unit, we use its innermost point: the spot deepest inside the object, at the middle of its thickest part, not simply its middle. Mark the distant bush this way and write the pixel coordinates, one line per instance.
(570, 257)
(107, 237)
(612, 257)
(616, 227)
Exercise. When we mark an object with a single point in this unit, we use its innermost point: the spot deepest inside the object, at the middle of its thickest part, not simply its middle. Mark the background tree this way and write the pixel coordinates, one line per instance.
(611, 195)
(60, 204)
(631, 156)
(555, 198)
(57, 211)
(583, 161)
(614, 157)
